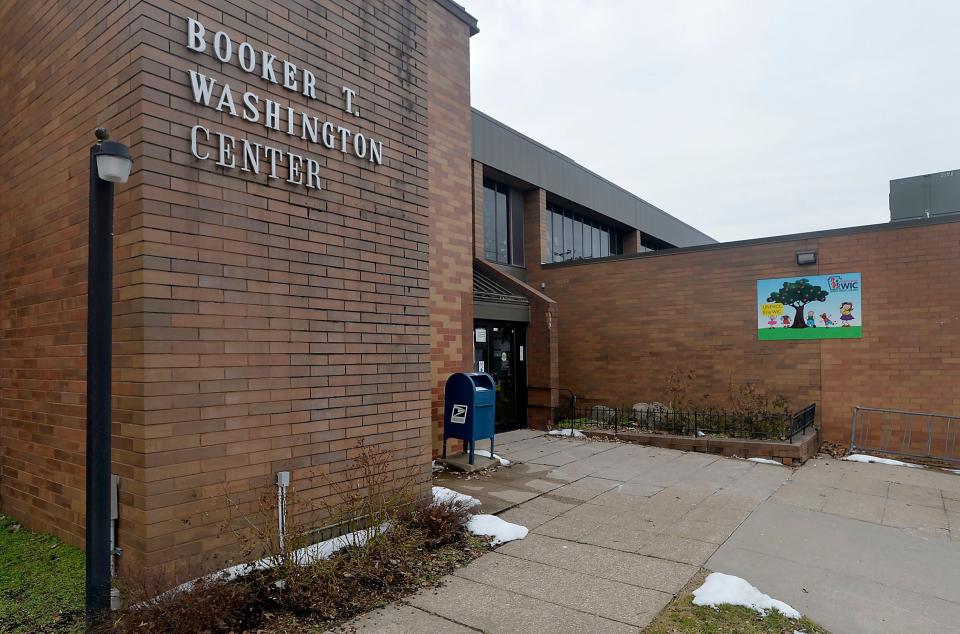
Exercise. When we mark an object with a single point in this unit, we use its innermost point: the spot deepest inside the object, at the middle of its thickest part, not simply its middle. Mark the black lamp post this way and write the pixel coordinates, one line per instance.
(110, 163)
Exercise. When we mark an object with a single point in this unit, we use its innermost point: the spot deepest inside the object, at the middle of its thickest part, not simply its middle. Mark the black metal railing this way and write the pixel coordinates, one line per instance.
(803, 420)
(699, 422)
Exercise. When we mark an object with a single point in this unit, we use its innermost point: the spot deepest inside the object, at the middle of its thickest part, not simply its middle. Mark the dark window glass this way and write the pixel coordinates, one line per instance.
(549, 254)
(573, 237)
(489, 221)
(577, 239)
(516, 227)
(503, 242)
(497, 225)
(649, 243)
(557, 237)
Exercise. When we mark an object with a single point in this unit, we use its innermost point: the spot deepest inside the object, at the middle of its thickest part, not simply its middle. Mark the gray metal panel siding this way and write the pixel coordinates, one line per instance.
(915, 196)
(505, 149)
(500, 312)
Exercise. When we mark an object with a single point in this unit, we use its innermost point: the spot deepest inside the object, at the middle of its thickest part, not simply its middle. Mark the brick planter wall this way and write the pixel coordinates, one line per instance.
(789, 453)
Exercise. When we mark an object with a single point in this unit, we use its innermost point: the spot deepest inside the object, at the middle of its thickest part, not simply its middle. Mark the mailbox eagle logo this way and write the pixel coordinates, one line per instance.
(459, 414)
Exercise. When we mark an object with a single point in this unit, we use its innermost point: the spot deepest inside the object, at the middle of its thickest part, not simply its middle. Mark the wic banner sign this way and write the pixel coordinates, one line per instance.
(810, 307)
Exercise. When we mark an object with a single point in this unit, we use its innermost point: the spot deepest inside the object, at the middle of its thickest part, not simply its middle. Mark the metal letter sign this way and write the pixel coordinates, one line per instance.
(459, 414)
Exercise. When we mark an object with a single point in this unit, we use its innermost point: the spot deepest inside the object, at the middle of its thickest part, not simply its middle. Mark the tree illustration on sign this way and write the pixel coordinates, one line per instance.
(798, 294)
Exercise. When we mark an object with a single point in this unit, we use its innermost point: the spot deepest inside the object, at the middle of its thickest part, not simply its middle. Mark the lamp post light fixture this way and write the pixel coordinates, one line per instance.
(110, 163)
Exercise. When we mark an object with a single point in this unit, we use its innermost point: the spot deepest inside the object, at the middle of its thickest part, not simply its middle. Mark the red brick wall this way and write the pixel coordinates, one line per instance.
(451, 199)
(65, 68)
(543, 362)
(259, 326)
(625, 324)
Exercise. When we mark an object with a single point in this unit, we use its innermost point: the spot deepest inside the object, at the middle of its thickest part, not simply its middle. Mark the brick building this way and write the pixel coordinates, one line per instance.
(301, 170)
(533, 207)
(318, 230)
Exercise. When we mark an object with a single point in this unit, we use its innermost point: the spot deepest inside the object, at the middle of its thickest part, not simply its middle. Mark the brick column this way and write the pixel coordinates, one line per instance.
(631, 241)
(543, 368)
(534, 229)
(451, 176)
(543, 362)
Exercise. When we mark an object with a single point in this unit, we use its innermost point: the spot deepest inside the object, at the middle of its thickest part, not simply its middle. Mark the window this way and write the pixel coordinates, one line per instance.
(649, 243)
(498, 234)
(573, 237)
(549, 237)
(556, 250)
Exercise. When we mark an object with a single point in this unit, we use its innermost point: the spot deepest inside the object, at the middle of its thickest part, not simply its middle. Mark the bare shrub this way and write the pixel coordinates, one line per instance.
(208, 606)
(395, 533)
(438, 523)
(678, 386)
(768, 413)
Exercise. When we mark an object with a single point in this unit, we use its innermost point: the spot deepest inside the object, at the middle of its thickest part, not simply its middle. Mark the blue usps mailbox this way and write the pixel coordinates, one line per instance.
(470, 401)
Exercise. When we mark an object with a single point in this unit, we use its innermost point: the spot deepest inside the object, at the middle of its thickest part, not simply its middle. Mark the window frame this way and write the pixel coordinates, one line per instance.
(492, 219)
(596, 239)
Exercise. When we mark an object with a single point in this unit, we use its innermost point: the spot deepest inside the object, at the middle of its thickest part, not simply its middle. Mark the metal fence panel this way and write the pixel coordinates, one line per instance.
(909, 434)
(706, 422)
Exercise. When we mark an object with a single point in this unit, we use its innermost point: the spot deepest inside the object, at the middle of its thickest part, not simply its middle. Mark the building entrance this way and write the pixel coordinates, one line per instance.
(499, 349)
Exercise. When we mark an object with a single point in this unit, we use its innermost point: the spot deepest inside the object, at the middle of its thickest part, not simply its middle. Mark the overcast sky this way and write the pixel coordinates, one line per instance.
(742, 118)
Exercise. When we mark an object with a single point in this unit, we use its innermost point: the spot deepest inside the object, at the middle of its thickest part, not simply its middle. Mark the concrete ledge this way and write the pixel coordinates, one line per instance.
(802, 449)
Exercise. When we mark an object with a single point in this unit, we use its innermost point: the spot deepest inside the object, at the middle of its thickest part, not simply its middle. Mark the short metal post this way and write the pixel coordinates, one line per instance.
(853, 427)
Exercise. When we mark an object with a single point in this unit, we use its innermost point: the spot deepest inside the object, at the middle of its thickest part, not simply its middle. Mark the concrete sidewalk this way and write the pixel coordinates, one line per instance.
(616, 531)
(857, 547)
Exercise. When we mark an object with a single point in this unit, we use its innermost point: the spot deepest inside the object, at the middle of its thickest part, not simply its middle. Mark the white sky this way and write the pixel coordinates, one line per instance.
(742, 118)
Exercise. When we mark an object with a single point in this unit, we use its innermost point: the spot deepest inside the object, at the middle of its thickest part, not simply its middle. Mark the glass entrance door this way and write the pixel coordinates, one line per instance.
(500, 351)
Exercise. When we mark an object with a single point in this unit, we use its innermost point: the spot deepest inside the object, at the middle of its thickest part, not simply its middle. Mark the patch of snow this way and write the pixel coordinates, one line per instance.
(860, 457)
(766, 461)
(436, 467)
(502, 531)
(957, 471)
(574, 433)
(700, 433)
(323, 550)
(486, 454)
(721, 589)
(302, 557)
(443, 495)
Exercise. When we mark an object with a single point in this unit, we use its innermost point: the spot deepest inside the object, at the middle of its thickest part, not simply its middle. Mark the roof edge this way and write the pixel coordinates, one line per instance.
(461, 13)
(571, 161)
